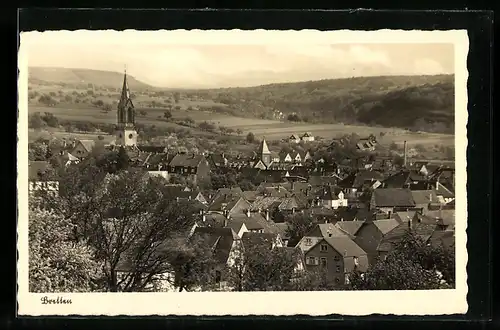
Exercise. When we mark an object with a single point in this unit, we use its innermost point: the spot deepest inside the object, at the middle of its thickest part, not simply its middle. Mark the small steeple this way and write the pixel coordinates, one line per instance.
(125, 105)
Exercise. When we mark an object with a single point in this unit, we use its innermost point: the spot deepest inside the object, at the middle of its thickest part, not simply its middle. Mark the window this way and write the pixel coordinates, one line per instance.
(337, 280)
(193, 170)
(324, 248)
(338, 269)
(308, 241)
(323, 262)
(310, 261)
(336, 258)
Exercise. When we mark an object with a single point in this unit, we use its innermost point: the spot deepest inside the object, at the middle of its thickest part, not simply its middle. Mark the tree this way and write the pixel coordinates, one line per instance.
(299, 224)
(250, 137)
(167, 115)
(56, 262)
(411, 265)
(36, 121)
(37, 151)
(123, 159)
(50, 119)
(143, 113)
(259, 268)
(239, 131)
(177, 97)
(127, 218)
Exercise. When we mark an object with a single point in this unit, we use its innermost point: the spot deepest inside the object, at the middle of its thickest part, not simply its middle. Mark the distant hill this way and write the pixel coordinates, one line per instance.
(82, 78)
(414, 102)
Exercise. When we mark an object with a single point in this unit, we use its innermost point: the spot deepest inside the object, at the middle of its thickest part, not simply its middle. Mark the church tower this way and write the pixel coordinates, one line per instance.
(264, 153)
(126, 134)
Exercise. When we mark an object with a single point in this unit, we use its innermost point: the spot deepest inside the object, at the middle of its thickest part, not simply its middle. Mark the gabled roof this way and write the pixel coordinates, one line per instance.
(88, 145)
(424, 231)
(219, 239)
(350, 227)
(386, 225)
(358, 179)
(264, 240)
(441, 217)
(424, 196)
(344, 245)
(443, 191)
(224, 203)
(294, 137)
(187, 160)
(264, 203)
(233, 192)
(393, 197)
(398, 180)
(253, 222)
(328, 230)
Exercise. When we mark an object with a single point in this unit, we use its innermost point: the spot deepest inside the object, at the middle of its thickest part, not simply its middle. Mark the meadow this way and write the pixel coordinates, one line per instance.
(270, 129)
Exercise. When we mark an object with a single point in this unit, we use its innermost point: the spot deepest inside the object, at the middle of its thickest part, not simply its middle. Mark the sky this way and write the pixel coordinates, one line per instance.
(226, 62)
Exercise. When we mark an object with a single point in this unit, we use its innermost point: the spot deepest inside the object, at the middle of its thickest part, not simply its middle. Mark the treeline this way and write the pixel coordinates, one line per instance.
(412, 102)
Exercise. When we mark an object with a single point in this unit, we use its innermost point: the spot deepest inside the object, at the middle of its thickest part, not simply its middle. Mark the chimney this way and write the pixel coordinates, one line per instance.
(248, 212)
(430, 197)
(405, 154)
(267, 215)
(204, 218)
(341, 219)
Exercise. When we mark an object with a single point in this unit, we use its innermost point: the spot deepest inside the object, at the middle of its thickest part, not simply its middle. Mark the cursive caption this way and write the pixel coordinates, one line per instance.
(59, 300)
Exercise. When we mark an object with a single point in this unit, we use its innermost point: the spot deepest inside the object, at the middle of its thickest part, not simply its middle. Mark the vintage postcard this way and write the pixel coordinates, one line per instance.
(242, 172)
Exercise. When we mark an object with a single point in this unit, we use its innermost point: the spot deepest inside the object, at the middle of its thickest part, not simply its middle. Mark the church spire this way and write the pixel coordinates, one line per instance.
(125, 105)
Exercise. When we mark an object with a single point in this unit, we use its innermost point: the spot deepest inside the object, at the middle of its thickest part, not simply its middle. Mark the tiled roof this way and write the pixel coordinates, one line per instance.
(217, 218)
(358, 179)
(249, 195)
(219, 239)
(329, 230)
(283, 229)
(253, 222)
(404, 216)
(187, 160)
(88, 144)
(224, 203)
(350, 227)
(386, 225)
(424, 231)
(392, 197)
(398, 180)
(264, 203)
(263, 148)
(442, 217)
(424, 196)
(345, 246)
(265, 240)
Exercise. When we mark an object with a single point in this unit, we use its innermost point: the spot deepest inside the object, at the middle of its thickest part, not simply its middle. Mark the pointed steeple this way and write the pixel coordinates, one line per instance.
(263, 149)
(125, 105)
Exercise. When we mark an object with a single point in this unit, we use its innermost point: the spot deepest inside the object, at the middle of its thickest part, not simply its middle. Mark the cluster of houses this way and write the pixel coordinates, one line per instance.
(358, 212)
(358, 209)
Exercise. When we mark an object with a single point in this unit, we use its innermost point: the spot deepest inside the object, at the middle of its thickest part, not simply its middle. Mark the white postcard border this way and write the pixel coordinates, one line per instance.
(440, 302)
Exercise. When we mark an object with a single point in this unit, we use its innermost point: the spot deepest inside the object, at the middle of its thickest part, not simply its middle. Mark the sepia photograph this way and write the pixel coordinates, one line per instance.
(241, 162)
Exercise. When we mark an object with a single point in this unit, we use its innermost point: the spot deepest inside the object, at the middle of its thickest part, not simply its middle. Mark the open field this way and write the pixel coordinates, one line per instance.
(48, 133)
(270, 129)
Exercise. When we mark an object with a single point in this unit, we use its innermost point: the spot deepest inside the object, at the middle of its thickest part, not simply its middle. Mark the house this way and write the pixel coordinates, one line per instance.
(261, 240)
(228, 205)
(444, 194)
(296, 157)
(294, 138)
(285, 157)
(331, 197)
(193, 166)
(83, 148)
(321, 214)
(218, 160)
(225, 245)
(356, 182)
(339, 256)
(283, 230)
(233, 192)
(321, 180)
(237, 226)
(275, 157)
(371, 233)
(260, 165)
(41, 178)
(316, 234)
(406, 179)
(392, 238)
(367, 144)
(307, 137)
(424, 198)
(390, 200)
(444, 219)
(350, 228)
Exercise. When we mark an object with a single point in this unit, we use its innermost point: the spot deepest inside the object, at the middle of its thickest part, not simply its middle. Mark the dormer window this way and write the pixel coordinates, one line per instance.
(324, 248)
